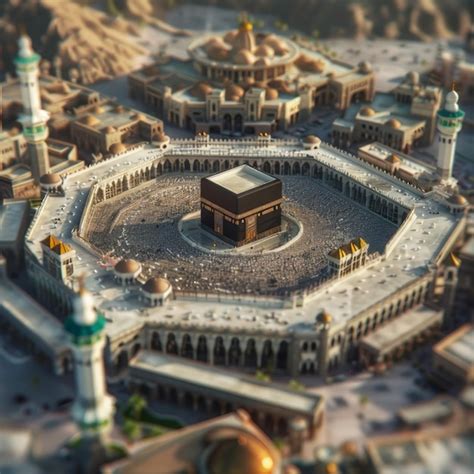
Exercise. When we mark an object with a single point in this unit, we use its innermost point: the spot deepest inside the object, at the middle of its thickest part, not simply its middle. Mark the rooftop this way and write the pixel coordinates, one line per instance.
(241, 179)
(12, 213)
(458, 346)
(204, 376)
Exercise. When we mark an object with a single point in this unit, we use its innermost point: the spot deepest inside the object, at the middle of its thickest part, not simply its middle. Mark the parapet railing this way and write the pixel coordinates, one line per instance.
(399, 234)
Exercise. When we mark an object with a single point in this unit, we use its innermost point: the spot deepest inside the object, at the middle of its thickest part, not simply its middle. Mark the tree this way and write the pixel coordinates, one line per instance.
(262, 376)
(136, 405)
(131, 429)
(295, 385)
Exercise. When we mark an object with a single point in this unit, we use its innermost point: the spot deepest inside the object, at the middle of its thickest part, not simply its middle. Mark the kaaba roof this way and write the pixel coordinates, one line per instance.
(241, 179)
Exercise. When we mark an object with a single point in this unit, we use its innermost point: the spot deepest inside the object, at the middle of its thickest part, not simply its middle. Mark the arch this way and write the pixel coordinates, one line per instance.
(171, 344)
(201, 351)
(267, 356)
(250, 355)
(159, 169)
(135, 349)
(226, 164)
(277, 167)
(122, 360)
(187, 166)
(215, 166)
(234, 352)
(227, 123)
(296, 168)
(206, 165)
(238, 120)
(167, 166)
(196, 167)
(176, 166)
(219, 351)
(188, 400)
(156, 342)
(286, 168)
(305, 169)
(187, 347)
(266, 167)
(282, 356)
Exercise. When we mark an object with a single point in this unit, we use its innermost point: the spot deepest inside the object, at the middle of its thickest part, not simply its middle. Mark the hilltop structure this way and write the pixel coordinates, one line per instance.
(245, 82)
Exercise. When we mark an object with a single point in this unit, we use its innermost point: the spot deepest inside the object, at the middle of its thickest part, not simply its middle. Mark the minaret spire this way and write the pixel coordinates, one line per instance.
(34, 118)
(93, 408)
(450, 119)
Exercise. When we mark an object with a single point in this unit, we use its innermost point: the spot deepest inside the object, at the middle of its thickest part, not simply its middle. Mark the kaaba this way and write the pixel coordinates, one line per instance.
(241, 205)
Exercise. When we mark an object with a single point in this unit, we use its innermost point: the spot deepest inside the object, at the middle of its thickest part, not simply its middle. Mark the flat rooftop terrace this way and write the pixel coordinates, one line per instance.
(225, 383)
(459, 346)
(241, 179)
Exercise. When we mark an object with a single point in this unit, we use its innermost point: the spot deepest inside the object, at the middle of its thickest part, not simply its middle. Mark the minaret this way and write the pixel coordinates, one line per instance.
(33, 119)
(93, 408)
(449, 124)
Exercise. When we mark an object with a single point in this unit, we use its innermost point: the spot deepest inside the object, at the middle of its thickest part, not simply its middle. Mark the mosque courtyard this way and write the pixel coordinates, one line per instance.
(143, 224)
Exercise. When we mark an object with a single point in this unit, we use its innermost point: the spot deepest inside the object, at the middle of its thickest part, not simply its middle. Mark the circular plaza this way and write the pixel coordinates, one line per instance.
(143, 224)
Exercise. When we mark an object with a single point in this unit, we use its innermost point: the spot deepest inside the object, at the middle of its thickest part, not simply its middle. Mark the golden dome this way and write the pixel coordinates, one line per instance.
(264, 51)
(138, 116)
(271, 93)
(50, 178)
(62, 248)
(457, 199)
(50, 241)
(213, 42)
(326, 318)
(200, 90)
(127, 266)
(90, 120)
(244, 57)
(361, 243)
(338, 253)
(394, 159)
(234, 91)
(117, 148)
(367, 111)
(244, 39)
(156, 285)
(241, 453)
(393, 123)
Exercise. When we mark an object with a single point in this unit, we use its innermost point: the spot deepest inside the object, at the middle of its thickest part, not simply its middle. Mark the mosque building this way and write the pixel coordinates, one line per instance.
(242, 82)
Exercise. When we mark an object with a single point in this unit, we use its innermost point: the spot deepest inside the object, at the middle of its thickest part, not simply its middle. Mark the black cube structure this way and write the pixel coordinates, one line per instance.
(241, 205)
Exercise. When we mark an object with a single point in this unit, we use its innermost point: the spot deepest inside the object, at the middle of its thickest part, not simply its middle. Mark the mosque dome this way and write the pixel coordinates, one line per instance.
(213, 42)
(244, 39)
(276, 44)
(413, 78)
(244, 57)
(229, 37)
(394, 159)
(312, 139)
(110, 129)
(457, 200)
(156, 285)
(161, 137)
(262, 62)
(234, 91)
(218, 53)
(451, 103)
(271, 93)
(139, 116)
(90, 120)
(365, 67)
(393, 123)
(127, 266)
(325, 317)
(98, 109)
(264, 51)
(238, 453)
(117, 148)
(367, 111)
(51, 179)
(200, 90)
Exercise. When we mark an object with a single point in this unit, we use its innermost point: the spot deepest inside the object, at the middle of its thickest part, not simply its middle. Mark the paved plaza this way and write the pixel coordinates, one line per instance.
(143, 224)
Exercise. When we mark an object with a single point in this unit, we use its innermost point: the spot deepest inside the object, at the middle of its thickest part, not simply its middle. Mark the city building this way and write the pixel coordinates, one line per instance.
(453, 358)
(241, 205)
(348, 258)
(14, 221)
(246, 82)
(232, 444)
(212, 391)
(31, 326)
(453, 67)
(402, 119)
